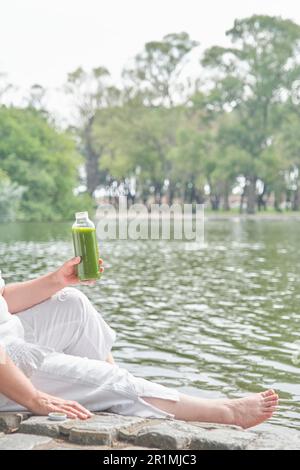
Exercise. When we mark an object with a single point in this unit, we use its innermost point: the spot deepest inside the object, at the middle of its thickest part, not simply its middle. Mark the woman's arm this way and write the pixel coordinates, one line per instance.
(17, 387)
(13, 383)
(23, 295)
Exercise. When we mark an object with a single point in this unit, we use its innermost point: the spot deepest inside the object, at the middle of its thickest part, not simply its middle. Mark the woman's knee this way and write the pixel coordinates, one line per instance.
(72, 300)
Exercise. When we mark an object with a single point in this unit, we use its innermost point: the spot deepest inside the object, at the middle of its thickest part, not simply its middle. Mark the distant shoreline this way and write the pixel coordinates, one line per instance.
(208, 216)
(258, 216)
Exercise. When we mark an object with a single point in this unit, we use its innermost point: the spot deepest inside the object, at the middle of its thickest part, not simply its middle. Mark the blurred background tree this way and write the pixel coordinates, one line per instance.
(41, 160)
(253, 78)
(10, 197)
(226, 137)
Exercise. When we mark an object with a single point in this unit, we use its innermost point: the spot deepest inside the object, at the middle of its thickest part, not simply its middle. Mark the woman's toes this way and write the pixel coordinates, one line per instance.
(268, 415)
(268, 393)
(270, 409)
(269, 404)
(271, 398)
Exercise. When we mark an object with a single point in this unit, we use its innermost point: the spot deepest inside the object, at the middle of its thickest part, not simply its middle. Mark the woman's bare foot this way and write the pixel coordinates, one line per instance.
(253, 410)
(243, 412)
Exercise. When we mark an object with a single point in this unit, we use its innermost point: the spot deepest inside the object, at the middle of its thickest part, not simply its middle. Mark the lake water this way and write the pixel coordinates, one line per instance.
(218, 321)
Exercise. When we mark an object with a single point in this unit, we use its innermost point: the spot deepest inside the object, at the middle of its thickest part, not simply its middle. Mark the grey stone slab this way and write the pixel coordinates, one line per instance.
(109, 430)
(40, 425)
(161, 434)
(222, 439)
(173, 434)
(98, 430)
(276, 439)
(202, 425)
(21, 441)
(139, 448)
(162, 437)
(130, 433)
(10, 422)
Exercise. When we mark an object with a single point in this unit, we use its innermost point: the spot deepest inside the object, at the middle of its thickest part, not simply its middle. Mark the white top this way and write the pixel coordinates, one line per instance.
(4, 315)
(9, 324)
(27, 356)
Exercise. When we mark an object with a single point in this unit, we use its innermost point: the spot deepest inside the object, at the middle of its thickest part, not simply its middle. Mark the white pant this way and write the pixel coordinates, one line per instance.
(76, 369)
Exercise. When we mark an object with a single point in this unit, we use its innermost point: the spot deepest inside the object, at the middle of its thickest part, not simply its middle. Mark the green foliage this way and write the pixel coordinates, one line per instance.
(251, 78)
(136, 136)
(156, 72)
(10, 196)
(42, 160)
(178, 137)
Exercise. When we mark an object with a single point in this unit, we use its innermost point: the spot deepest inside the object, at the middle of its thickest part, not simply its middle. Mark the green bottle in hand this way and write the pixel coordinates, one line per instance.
(86, 246)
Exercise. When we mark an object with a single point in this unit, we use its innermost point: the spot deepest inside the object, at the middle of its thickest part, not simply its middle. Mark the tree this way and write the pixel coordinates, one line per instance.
(41, 159)
(135, 141)
(5, 86)
(36, 98)
(155, 75)
(286, 158)
(90, 92)
(10, 197)
(253, 77)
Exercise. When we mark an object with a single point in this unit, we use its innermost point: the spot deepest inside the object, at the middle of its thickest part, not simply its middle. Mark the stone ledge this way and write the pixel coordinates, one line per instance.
(10, 422)
(111, 431)
(21, 441)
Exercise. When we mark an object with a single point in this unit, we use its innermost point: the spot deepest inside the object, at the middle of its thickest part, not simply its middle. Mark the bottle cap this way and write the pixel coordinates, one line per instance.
(57, 416)
(81, 215)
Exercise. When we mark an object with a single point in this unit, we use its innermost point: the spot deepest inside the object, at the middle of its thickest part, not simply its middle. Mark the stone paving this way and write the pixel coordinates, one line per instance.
(110, 431)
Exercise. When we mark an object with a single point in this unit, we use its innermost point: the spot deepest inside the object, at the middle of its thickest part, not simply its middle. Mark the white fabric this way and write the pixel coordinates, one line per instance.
(27, 356)
(4, 314)
(62, 345)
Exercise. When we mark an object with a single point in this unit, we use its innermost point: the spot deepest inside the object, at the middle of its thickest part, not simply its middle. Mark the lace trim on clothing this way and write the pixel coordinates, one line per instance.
(28, 357)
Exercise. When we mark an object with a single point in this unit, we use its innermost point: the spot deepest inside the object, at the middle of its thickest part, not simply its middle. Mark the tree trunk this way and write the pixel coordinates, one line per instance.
(93, 173)
(215, 202)
(242, 200)
(251, 195)
(171, 194)
(226, 205)
(296, 200)
(158, 192)
(261, 199)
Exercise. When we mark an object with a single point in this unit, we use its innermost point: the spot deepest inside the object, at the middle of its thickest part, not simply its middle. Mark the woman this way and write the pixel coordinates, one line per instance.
(55, 357)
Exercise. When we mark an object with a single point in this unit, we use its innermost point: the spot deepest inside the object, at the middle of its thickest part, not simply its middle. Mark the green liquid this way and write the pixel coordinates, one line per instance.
(86, 246)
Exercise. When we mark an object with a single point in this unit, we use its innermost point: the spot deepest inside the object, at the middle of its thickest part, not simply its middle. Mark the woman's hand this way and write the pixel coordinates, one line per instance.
(67, 274)
(43, 404)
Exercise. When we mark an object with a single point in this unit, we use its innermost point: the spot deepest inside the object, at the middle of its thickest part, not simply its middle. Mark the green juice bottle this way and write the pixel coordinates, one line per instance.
(86, 246)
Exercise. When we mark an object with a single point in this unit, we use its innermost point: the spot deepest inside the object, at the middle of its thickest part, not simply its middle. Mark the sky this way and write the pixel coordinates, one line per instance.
(42, 40)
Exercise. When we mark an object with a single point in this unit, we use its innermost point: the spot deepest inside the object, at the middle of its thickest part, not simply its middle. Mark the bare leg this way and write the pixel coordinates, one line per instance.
(244, 412)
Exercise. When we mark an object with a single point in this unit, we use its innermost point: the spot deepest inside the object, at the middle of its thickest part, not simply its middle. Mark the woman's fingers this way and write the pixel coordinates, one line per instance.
(73, 261)
(79, 407)
(61, 409)
(71, 409)
(101, 265)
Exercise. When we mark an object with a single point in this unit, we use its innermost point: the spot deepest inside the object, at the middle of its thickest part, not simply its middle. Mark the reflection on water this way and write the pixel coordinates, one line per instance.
(213, 322)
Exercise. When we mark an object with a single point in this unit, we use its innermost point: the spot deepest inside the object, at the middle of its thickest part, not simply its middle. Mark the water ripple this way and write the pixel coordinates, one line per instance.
(220, 320)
